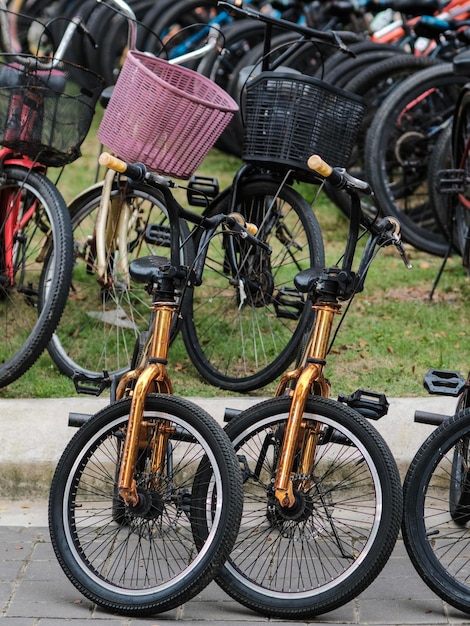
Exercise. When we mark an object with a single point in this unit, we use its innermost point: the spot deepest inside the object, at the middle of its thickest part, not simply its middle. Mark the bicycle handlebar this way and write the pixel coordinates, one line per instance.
(386, 230)
(336, 38)
(337, 177)
(234, 222)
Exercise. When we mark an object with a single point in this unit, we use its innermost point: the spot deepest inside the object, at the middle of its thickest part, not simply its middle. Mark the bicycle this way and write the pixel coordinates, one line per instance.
(146, 499)
(399, 145)
(436, 494)
(261, 309)
(436, 487)
(46, 108)
(322, 493)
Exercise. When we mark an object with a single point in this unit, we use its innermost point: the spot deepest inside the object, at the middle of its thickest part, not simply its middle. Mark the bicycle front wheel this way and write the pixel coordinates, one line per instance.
(100, 324)
(295, 563)
(143, 560)
(35, 267)
(246, 324)
(437, 511)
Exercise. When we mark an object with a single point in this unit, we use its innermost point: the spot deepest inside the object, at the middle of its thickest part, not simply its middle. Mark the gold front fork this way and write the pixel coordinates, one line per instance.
(151, 375)
(309, 372)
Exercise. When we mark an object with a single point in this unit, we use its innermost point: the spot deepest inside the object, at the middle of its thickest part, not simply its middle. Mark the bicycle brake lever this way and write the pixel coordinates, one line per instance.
(403, 254)
(397, 242)
(247, 231)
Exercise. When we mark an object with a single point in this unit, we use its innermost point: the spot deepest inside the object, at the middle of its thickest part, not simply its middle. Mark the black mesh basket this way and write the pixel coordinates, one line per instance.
(46, 114)
(289, 117)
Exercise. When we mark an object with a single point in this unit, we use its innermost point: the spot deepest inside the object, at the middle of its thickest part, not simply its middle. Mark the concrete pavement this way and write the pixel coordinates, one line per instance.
(35, 592)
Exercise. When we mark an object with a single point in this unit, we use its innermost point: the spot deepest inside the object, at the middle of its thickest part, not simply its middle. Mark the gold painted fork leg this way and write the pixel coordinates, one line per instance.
(126, 483)
(154, 373)
(311, 371)
(283, 486)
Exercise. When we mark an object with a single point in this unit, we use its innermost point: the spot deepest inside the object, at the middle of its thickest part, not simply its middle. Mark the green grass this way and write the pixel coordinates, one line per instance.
(390, 336)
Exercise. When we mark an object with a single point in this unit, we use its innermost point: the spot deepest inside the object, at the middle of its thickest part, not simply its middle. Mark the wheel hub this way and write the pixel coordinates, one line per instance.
(150, 505)
(299, 512)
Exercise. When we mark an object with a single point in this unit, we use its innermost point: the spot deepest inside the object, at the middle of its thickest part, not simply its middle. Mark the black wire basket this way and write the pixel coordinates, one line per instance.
(46, 114)
(289, 117)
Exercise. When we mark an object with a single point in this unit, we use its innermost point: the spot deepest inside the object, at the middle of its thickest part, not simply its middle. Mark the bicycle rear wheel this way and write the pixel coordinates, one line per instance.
(398, 145)
(461, 161)
(437, 511)
(35, 267)
(316, 556)
(243, 329)
(143, 560)
(100, 325)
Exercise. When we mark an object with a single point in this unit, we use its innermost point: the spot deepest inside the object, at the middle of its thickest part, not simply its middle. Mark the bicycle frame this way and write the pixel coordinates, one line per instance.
(11, 216)
(327, 289)
(150, 373)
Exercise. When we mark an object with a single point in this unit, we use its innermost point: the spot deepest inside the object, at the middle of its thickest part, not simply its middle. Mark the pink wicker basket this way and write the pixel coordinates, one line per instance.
(164, 115)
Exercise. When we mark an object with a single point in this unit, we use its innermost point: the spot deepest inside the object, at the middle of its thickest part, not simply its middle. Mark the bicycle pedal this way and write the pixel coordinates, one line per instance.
(368, 403)
(452, 181)
(202, 189)
(91, 385)
(158, 235)
(288, 304)
(444, 382)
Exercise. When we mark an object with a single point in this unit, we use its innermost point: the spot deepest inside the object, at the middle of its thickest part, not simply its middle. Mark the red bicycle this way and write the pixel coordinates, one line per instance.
(46, 108)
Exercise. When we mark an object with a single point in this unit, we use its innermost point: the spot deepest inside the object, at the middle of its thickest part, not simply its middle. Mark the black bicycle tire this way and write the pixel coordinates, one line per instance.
(219, 68)
(350, 67)
(374, 83)
(149, 594)
(418, 226)
(68, 347)
(442, 204)
(461, 160)
(359, 48)
(98, 20)
(279, 596)
(421, 541)
(150, 18)
(48, 291)
(110, 31)
(283, 350)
